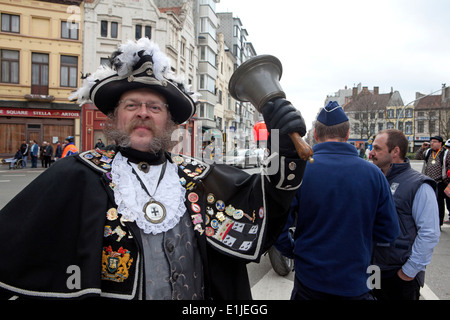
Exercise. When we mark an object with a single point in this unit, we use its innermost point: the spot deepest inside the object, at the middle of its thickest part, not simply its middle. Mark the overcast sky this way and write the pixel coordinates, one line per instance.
(325, 45)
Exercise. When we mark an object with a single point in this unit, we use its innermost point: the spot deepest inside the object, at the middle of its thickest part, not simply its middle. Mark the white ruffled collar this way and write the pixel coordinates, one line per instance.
(131, 198)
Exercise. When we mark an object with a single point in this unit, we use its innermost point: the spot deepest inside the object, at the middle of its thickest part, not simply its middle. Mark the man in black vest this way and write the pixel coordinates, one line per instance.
(403, 262)
(436, 166)
(135, 221)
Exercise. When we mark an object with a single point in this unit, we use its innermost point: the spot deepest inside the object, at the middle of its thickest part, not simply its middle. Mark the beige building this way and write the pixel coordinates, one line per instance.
(40, 52)
(224, 111)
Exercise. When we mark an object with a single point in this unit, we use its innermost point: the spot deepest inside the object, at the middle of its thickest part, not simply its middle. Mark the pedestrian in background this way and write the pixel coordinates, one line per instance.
(403, 261)
(58, 151)
(69, 147)
(24, 148)
(436, 166)
(34, 153)
(336, 225)
(41, 152)
(447, 196)
(99, 144)
(48, 153)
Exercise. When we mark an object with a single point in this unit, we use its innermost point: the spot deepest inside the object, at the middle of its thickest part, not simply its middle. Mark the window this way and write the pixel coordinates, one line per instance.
(182, 48)
(409, 113)
(39, 73)
(114, 29)
(105, 62)
(206, 54)
(380, 126)
(380, 115)
(10, 66)
(390, 125)
(148, 32)
(206, 26)
(432, 126)
(390, 113)
(69, 30)
(206, 111)
(104, 28)
(138, 32)
(10, 23)
(408, 127)
(420, 127)
(69, 70)
(207, 83)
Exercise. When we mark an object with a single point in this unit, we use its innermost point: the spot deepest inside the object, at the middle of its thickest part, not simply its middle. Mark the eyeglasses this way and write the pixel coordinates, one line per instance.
(153, 107)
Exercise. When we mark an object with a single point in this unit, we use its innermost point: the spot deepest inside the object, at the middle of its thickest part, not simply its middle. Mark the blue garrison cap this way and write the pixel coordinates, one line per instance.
(332, 114)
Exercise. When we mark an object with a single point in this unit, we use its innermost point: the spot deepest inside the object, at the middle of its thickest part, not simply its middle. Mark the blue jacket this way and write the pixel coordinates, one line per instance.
(342, 206)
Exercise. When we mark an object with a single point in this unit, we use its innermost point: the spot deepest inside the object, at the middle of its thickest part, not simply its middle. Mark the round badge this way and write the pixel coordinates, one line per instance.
(238, 214)
(111, 214)
(220, 205)
(209, 231)
(210, 198)
(177, 159)
(214, 223)
(193, 197)
(88, 156)
(195, 207)
(261, 212)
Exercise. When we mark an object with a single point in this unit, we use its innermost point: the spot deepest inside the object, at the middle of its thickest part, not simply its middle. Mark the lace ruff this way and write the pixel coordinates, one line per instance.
(130, 197)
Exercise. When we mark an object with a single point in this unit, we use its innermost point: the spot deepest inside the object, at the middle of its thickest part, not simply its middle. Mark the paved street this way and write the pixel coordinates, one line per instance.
(266, 284)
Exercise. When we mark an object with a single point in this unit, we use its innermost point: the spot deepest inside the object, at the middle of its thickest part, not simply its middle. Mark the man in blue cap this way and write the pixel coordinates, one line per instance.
(342, 206)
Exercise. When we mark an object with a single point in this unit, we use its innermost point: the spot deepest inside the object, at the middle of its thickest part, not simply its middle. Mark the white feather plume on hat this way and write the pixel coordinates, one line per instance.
(123, 62)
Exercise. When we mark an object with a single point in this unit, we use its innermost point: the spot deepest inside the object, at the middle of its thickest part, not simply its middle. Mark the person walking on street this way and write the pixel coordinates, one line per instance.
(34, 153)
(336, 225)
(436, 166)
(403, 261)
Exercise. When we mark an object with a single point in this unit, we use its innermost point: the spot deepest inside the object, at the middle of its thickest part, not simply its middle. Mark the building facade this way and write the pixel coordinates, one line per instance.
(366, 111)
(245, 114)
(431, 116)
(41, 59)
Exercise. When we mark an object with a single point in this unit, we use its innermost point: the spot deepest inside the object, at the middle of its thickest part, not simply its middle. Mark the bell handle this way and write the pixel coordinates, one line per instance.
(304, 151)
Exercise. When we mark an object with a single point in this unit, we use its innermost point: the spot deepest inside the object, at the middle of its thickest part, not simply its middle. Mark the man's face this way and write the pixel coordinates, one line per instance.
(143, 115)
(435, 144)
(380, 154)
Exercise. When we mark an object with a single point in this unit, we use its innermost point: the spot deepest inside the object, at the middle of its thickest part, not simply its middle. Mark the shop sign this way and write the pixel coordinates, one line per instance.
(39, 113)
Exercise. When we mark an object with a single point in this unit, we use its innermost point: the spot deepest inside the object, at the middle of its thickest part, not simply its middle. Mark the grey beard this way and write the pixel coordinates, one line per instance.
(159, 142)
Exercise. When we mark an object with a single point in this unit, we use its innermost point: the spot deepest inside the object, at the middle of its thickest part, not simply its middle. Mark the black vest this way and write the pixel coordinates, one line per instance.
(404, 182)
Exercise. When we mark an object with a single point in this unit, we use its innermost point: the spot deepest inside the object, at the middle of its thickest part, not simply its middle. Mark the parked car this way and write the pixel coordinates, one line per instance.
(241, 158)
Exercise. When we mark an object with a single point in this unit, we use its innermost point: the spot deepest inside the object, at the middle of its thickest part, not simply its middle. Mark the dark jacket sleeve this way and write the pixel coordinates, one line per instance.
(48, 227)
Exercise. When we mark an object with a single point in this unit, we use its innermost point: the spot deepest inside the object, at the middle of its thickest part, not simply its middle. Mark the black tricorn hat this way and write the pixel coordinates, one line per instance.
(137, 65)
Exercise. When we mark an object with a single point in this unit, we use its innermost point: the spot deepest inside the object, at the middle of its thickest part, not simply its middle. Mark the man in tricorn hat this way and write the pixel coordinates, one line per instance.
(135, 221)
(342, 206)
